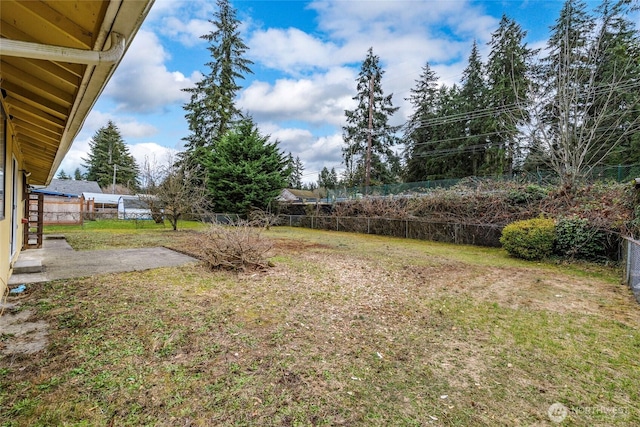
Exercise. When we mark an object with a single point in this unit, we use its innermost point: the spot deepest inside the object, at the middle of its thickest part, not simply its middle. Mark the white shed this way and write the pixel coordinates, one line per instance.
(134, 207)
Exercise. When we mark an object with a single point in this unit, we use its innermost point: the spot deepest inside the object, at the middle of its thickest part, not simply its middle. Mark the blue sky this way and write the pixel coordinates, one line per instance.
(306, 58)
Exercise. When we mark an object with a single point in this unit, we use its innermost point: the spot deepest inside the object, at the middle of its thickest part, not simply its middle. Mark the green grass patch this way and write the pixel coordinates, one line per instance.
(345, 330)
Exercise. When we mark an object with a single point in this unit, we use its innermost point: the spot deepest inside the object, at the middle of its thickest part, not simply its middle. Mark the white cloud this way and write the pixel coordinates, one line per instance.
(74, 158)
(153, 153)
(143, 83)
(141, 152)
(182, 20)
(325, 151)
(314, 152)
(135, 129)
(128, 126)
(320, 99)
(292, 50)
(188, 33)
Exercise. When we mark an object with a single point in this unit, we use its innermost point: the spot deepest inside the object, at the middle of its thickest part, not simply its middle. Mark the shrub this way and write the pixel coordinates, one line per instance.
(576, 238)
(530, 193)
(530, 239)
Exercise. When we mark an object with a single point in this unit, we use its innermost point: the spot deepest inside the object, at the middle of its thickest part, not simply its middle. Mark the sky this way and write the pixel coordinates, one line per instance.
(307, 55)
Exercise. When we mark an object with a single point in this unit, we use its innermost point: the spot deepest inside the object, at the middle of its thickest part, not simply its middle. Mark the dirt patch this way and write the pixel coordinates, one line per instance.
(519, 288)
(20, 334)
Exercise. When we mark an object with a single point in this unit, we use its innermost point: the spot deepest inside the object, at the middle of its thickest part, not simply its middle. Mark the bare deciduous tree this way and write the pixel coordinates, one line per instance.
(580, 112)
(175, 192)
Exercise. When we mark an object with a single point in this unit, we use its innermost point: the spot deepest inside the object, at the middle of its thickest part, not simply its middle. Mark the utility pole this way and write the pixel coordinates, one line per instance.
(113, 188)
(369, 136)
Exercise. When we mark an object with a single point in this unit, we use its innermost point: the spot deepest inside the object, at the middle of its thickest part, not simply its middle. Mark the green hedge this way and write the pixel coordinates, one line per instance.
(531, 239)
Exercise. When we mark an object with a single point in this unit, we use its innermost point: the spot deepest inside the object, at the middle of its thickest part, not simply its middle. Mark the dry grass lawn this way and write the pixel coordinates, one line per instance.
(346, 329)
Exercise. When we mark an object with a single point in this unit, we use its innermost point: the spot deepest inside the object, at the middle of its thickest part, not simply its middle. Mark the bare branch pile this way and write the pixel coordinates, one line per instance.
(236, 247)
(607, 206)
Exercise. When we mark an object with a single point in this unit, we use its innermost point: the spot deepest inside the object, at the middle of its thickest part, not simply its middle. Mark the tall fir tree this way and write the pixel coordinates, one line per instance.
(474, 93)
(616, 49)
(445, 156)
(246, 171)
(296, 167)
(211, 110)
(419, 135)
(109, 157)
(509, 80)
(384, 163)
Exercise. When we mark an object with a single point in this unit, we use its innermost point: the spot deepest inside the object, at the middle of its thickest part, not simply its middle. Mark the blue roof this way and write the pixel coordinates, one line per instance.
(52, 193)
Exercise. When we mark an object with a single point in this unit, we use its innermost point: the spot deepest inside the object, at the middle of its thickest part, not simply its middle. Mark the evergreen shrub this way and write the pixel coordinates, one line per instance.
(531, 239)
(576, 238)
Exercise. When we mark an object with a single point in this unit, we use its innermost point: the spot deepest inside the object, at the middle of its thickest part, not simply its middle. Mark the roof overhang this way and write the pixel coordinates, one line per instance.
(56, 58)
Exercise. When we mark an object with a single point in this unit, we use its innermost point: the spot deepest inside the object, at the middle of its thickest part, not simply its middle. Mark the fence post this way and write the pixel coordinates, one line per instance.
(337, 223)
(619, 173)
(406, 229)
(628, 261)
(368, 225)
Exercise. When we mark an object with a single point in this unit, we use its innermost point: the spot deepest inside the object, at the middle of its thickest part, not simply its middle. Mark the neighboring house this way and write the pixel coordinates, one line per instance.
(72, 186)
(56, 57)
(290, 195)
(64, 202)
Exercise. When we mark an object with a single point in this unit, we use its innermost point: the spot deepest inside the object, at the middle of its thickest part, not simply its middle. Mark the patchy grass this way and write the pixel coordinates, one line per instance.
(118, 234)
(345, 330)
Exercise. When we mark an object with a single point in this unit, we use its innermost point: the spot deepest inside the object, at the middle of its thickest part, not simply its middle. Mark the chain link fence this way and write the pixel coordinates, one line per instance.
(631, 258)
(410, 228)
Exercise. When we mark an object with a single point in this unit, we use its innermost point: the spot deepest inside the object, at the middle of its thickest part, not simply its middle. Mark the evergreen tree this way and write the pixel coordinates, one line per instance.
(474, 94)
(211, 110)
(509, 79)
(246, 171)
(77, 175)
(616, 48)
(109, 156)
(419, 135)
(62, 175)
(296, 167)
(384, 163)
(328, 178)
(444, 154)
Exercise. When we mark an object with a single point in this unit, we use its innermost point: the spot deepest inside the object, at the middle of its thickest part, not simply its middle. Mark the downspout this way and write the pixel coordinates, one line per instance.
(64, 54)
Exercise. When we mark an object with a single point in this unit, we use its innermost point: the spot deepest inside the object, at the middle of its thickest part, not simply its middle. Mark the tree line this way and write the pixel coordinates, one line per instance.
(570, 107)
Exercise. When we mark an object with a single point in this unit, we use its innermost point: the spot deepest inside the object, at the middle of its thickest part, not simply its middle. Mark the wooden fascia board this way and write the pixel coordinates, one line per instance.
(126, 21)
